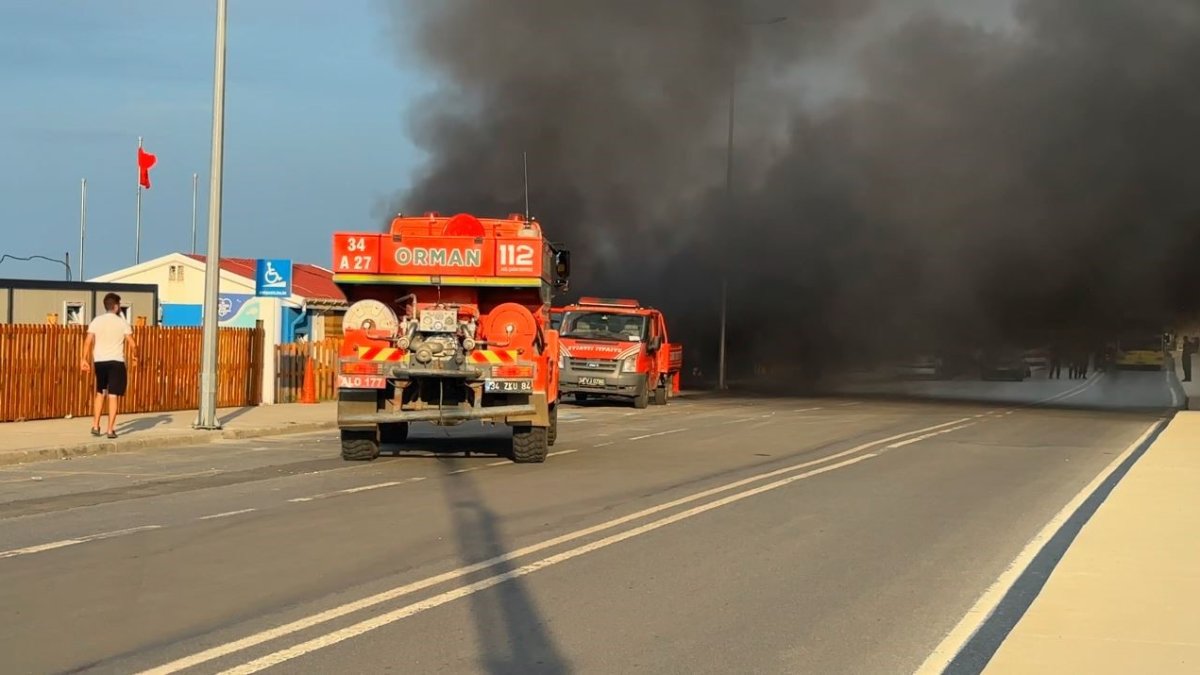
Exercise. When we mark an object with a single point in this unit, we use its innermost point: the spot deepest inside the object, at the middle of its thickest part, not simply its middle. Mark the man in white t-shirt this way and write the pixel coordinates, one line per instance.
(107, 336)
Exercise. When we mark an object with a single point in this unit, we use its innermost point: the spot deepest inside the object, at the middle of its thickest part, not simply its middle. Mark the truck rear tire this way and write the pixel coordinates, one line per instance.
(360, 445)
(393, 432)
(642, 398)
(660, 395)
(552, 430)
(530, 445)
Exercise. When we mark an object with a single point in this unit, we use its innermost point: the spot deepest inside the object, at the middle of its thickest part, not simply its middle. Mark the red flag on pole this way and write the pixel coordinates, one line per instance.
(145, 162)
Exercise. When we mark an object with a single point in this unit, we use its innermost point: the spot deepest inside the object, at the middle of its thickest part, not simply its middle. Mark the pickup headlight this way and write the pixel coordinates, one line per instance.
(629, 364)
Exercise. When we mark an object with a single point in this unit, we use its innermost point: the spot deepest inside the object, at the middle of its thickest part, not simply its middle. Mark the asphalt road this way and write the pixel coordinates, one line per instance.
(735, 534)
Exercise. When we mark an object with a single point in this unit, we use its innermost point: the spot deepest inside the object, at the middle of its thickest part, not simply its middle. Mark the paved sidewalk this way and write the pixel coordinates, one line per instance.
(54, 439)
(1126, 596)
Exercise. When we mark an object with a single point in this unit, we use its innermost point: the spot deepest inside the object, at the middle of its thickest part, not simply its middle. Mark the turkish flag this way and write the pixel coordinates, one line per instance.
(145, 161)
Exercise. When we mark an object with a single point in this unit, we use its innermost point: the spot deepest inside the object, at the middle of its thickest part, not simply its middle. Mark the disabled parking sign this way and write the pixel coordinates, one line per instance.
(273, 278)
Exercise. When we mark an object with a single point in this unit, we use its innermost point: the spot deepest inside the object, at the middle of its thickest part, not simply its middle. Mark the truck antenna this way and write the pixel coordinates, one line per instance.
(525, 166)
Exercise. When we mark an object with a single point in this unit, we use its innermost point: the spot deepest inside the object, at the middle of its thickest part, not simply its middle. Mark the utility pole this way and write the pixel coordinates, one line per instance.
(207, 417)
(730, 209)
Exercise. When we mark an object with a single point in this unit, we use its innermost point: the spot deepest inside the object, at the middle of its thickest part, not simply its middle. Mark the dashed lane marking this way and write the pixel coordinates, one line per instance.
(660, 433)
(364, 488)
(925, 437)
(227, 514)
(71, 542)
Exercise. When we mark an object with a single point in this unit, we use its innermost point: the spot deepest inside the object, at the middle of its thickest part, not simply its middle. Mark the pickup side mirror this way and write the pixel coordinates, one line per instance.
(562, 269)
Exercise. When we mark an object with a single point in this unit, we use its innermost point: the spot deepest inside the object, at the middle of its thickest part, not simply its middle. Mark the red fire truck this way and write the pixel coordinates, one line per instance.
(617, 347)
(449, 322)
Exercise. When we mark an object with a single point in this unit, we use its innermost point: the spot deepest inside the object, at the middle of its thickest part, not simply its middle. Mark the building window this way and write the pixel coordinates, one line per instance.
(73, 314)
(126, 312)
(175, 273)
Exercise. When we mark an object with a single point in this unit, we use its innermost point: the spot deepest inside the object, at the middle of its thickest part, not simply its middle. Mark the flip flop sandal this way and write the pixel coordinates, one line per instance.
(95, 432)
(112, 434)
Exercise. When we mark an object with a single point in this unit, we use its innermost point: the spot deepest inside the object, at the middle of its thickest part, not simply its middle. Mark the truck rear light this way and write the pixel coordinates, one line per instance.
(360, 368)
(512, 371)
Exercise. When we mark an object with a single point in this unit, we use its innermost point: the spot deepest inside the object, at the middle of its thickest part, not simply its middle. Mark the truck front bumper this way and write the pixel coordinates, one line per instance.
(613, 384)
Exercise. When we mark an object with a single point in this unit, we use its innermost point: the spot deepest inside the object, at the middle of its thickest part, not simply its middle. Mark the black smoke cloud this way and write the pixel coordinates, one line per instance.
(967, 182)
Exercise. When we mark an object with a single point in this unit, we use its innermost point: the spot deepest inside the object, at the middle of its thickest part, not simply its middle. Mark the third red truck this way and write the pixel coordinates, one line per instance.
(617, 347)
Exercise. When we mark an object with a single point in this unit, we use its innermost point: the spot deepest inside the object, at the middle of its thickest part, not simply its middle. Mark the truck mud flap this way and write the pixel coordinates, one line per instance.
(354, 403)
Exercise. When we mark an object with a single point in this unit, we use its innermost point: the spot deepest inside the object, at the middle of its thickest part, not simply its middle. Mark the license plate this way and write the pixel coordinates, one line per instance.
(361, 382)
(508, 386)
(591, 381)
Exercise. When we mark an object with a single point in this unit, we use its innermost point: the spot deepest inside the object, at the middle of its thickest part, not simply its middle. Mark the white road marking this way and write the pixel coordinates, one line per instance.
(603, 445)
(71, 542)
(562, 452)
(305, 623)
(661, 433)
(376, 486)
(849, 405)
(800, 410)
(918, 439)
(227, 514)
(382, 620)
(1071, 393)
(364, 488)
(958, 637)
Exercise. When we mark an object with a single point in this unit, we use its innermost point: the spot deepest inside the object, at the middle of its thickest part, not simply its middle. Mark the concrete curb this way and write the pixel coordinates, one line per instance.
(160, 442)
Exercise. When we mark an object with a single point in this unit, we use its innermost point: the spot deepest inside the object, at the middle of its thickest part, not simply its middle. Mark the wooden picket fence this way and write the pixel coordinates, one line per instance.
(289, 368)
(40, 375)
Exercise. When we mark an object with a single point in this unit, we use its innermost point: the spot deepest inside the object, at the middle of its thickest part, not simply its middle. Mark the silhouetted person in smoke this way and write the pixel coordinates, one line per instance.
(1189, 348)
(1055, 371)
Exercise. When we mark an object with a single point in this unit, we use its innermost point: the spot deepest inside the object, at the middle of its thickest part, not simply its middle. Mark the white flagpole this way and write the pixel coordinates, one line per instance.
(82, 221)
(137, 242)
(195, 180)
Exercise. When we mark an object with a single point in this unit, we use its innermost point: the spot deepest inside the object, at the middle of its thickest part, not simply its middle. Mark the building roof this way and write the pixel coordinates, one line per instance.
(310, 282)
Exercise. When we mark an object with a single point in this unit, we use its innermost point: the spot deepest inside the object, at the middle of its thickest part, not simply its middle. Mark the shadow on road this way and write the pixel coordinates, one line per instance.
(512, 634)
(484, 443)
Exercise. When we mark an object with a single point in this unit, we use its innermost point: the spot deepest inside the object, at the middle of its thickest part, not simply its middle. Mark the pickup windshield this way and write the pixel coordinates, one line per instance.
(604, 326)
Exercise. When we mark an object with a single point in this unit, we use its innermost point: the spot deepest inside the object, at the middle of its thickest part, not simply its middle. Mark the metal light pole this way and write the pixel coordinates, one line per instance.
(729, 202)
(207, 417)
(82, 221)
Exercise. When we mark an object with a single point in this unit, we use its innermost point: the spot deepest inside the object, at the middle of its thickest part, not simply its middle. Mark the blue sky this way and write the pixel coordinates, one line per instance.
(315, 125)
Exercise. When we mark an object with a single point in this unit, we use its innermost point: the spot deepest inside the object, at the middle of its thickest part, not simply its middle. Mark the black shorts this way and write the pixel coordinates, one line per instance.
(111, 377)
